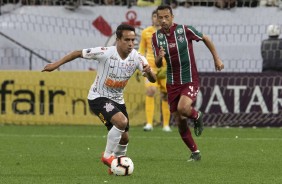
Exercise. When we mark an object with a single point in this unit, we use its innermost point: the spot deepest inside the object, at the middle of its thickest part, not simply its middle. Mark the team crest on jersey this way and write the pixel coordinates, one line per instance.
(130, 67)
(109, 107)
(179, 30)
(160, 36)
(180, 38)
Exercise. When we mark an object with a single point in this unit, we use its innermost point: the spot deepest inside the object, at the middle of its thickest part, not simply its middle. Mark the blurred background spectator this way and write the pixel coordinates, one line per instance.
(222, 4)
(271, 50)
(149, 2)
(248, 3)
(269, 2)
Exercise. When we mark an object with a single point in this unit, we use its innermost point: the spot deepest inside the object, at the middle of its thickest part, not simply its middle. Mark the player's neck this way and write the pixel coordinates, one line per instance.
(121, 54)
(167, 31)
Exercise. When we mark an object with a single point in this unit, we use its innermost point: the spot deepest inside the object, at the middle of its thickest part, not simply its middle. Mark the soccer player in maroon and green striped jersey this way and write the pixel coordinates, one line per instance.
(174, 43)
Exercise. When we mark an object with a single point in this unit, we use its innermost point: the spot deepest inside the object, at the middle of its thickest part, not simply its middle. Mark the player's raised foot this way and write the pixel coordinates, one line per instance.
(107, 161)
(195, 156)
(167, 129)
(199, 124)
(148, 127)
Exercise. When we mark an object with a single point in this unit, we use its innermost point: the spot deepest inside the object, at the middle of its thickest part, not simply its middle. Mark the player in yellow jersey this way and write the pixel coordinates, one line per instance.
(145, 48)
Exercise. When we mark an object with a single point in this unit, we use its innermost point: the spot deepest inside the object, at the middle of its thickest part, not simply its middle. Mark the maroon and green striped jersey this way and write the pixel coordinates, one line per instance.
(181, 65)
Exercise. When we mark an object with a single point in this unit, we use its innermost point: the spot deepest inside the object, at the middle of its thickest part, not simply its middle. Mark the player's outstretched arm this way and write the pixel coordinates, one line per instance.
(69, 57)
(217, 61)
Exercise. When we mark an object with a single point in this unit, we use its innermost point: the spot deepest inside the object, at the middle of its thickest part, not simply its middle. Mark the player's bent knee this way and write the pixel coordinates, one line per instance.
(120, 121)
(183, 111)
(150, 92)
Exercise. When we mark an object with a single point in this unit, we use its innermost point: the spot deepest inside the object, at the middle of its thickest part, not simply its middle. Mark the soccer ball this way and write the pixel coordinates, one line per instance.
(122, 166)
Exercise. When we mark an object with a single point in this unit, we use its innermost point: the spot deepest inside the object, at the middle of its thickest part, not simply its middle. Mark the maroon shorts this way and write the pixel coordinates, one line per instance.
(174, 91)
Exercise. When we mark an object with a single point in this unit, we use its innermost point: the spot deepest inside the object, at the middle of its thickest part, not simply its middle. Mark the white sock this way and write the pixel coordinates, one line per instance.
(120, 150)
(113, 138)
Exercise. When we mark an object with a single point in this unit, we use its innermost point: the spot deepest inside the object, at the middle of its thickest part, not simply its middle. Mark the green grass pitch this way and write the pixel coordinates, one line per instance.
(71, 155)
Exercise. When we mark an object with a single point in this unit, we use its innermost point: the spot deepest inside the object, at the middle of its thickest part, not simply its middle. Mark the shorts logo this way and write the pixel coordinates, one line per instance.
(109, 107)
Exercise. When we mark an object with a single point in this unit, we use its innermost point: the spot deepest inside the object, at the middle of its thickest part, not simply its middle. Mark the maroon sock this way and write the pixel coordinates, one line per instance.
(188, 140)
(194, 113)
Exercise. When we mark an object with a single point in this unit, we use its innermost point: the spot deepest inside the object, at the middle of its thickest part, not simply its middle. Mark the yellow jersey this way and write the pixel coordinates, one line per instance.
(145, 46)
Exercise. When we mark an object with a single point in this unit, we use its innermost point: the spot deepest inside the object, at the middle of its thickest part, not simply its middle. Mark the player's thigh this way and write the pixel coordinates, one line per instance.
(188, 96)
(106, 109)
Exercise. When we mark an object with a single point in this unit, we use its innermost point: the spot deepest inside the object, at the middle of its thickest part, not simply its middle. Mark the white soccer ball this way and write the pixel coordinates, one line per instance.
(122, 166)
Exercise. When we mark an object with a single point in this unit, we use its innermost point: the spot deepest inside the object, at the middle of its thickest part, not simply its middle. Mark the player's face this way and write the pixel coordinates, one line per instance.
(126, 42)
(165, 19)
(155, 20)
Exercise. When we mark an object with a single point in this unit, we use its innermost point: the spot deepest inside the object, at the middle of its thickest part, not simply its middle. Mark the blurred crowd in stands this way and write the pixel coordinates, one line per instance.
(223, 4)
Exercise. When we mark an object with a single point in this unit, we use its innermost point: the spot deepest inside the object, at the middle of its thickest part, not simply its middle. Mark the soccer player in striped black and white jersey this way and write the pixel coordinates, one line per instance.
(174, 43)
(116, 64)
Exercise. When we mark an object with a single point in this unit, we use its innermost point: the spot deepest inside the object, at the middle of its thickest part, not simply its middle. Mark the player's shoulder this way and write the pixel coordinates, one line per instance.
(190, 28)
(149, 28)
(110, 49)
(135, 54)
(156, 32)
(102, 49)
(185, 26)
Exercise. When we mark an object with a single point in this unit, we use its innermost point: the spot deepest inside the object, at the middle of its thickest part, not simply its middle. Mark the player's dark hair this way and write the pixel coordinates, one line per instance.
(163, 7)
(123, 27)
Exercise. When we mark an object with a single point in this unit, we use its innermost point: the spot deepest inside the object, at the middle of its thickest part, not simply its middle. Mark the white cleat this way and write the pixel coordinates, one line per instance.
(148, 127)
(167, 129)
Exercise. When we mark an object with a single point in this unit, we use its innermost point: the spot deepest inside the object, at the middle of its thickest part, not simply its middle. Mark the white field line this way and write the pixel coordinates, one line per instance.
(136, 137)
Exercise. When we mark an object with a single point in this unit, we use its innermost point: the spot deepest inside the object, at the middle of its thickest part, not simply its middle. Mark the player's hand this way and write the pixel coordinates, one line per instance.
(218, 65)
(50, 67)
(146, 68)
(161, 52)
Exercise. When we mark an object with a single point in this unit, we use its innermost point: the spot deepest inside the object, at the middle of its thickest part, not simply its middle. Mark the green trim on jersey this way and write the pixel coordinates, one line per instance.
(183, 53)
(195, 31)
(162, 41)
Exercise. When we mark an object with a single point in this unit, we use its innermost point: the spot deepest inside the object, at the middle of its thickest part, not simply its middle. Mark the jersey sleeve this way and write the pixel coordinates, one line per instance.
(96, 53)
(193, 33)
(142, 44)
(141, 62)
